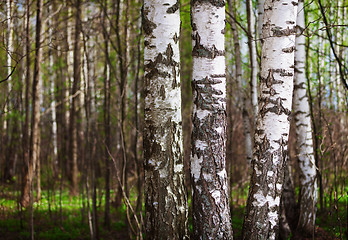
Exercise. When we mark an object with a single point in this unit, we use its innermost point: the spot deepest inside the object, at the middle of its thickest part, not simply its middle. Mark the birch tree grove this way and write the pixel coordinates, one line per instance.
(272, 128)
(211, 212)
(168, 119)
(165, 196)
(304, 141)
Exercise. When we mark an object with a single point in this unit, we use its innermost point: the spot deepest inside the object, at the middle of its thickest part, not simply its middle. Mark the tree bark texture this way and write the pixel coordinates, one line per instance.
(166, 206)
(211, 211)
(272, 129)
(304, 140)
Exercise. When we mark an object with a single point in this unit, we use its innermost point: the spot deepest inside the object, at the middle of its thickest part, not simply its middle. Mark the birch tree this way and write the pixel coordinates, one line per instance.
(272, 129)
(165, 195)
(304, 141)
(260, 11)
(35, 117)
(252, 56)
(210, 207)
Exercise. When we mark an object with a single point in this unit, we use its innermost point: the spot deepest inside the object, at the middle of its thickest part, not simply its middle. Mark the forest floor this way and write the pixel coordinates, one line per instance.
(62, 217)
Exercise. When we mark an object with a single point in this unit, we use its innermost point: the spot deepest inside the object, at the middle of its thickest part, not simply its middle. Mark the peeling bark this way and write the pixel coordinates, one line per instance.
(166, 206)
(211, 212)
(272, 129)
(304, 140)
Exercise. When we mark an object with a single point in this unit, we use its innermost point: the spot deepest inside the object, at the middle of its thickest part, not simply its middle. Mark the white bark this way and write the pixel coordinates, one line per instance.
(304, 141)
(9, 5)
(70, 62)
(272, 129)
(53, 99)
(209, 186)
(253, 59)
(339, 39)
(260, 12)
(165, 195)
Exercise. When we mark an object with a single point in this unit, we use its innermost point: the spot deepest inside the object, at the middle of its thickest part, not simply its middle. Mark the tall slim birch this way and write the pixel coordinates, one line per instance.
(272, 129)
(304, 141)
(9, 6)
(260, 11)
(35, 117)
(166, 206)
(252, 57)
(211, 212)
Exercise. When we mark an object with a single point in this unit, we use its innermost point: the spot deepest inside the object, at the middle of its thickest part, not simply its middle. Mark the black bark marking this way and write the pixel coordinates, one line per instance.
(167, 60)
(270, 78)
(278, 32)
(201, 51)
(176, 38)
(277, 107)
(173, 8)
(289, 49)
(206, 98)
(302, 85)
(216, 3)
(163, 92)
(148, 26)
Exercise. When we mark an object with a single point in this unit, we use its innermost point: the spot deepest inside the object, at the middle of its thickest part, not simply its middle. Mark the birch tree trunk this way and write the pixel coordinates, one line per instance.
(260, 12)
(165, 196)
(35, 119)
(272, 130)
(304, 141)
(252, 57)
(210, 201)
(53, 92)
(9, 11)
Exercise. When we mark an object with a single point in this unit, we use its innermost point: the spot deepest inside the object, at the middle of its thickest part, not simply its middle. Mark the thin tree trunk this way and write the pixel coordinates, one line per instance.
(35, 120)
(272, 130)
(252, 58)
(166, 207)
(52, 91)
(260, 12)
(304, 140)
(73, 110)
(210, 200)
(26, 133)
(106, 121)
(8, 137)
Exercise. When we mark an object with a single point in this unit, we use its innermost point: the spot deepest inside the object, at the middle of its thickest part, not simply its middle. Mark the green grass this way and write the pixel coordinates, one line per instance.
(66, 219)
(55, 219)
